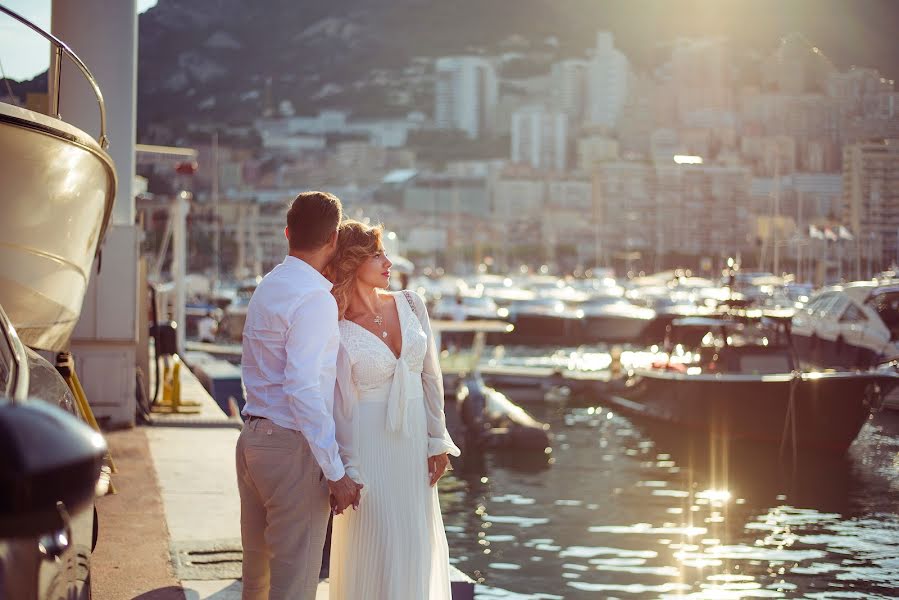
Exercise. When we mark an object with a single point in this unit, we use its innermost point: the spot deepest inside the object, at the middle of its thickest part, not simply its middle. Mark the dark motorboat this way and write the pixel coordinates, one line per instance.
(613, 320)
(482, 416)
(735, 377)
(542, 322)
(493, 421)
(666, 312)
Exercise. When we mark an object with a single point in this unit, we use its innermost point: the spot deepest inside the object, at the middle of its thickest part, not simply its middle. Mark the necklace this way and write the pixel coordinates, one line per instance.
(379, 320)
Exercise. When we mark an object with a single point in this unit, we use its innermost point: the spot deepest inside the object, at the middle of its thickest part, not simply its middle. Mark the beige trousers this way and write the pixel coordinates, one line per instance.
(283, 513)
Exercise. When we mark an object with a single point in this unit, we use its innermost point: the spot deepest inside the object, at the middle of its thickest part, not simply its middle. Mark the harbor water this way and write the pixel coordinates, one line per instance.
(618, 510)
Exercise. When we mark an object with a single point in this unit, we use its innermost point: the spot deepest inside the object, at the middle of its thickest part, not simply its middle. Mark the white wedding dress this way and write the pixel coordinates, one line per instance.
(390, 419)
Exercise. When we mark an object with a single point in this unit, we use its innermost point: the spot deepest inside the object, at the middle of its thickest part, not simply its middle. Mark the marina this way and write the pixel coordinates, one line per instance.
(663, 296)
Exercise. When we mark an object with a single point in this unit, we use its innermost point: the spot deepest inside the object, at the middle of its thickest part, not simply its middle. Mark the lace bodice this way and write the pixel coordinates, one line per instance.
(373, 362)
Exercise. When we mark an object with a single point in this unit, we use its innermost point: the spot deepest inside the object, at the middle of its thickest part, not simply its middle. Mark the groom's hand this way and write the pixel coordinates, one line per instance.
(345, 491)
(437, 466)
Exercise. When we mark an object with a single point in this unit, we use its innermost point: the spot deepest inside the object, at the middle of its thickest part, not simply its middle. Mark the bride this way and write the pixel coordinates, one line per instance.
(391, 429)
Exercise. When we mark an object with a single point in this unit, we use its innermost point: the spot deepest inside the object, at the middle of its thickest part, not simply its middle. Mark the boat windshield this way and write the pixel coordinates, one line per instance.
(887, 306)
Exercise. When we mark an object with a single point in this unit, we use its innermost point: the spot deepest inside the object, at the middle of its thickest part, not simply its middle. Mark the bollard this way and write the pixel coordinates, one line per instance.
(171, 402)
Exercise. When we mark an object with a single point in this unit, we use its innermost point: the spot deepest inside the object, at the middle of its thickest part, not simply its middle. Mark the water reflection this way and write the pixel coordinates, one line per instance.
(634, 512)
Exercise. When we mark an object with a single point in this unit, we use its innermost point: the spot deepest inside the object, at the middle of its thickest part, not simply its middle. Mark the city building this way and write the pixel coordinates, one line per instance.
(608, 80)
(703, 210)
(465, 94)
(540, 138)
(439, 194)
(291, 133)
(857, 89)
(669, 213)
(769, 156)
(519, 193)
(568, 91)
(700, 79)
(805, 198)
(625, 209)
(639, 115)
(573, 193)
(594, 149)
(871, 199)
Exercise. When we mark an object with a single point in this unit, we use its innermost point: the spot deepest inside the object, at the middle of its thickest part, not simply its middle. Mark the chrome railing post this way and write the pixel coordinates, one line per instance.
(55, 81)
(61, 48)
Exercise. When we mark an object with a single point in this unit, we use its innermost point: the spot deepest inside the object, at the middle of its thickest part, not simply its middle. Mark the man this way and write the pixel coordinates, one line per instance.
(458, 313)
(207, 328)
(287, 454)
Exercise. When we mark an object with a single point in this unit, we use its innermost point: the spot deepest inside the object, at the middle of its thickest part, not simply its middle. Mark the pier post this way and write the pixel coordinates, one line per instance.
(105, 341)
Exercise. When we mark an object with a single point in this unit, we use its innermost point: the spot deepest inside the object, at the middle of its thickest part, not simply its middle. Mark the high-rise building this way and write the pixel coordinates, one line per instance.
(569, 88)
(638, 115)
(701, 80)
(702, 209)
(608, 78)
(540, 138)
(857, 89)
(871, 198)
(674, 212)
(465, 95)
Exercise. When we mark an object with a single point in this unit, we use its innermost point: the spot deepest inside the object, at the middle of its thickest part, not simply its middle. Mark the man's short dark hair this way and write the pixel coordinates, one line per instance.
(311, 219)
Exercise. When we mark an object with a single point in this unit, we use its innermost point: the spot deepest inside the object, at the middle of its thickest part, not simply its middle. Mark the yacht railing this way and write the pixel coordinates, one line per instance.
(60, 49)
(20, 381)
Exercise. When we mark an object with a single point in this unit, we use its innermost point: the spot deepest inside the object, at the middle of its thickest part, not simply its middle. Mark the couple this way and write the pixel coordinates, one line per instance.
(344, 405)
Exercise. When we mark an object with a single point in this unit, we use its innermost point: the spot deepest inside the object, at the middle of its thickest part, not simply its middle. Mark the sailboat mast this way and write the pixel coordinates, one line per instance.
(775, 221)
(216, 221)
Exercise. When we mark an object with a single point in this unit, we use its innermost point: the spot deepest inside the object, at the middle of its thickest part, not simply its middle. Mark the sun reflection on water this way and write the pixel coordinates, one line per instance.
(622, 514)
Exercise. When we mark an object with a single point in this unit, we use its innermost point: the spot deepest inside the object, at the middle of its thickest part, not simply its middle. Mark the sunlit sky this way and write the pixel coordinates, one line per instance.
(24, 53)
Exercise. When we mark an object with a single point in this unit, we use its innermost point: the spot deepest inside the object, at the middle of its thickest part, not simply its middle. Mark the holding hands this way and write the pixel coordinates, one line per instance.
(344, 493)
(437, 467)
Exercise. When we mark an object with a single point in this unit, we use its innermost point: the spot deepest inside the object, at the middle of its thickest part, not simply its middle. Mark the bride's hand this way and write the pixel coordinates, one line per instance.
(437, 466)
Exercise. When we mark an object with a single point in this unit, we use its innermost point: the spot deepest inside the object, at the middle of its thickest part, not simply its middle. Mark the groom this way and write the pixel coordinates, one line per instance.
(287, 455)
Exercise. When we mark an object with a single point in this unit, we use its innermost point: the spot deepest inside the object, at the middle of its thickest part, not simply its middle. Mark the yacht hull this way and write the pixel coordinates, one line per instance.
(613, 328)
(820, 353)
(58, 189)
(829, 408)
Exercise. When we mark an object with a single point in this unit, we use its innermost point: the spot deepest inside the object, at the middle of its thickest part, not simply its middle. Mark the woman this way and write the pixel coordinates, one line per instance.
(388, 407)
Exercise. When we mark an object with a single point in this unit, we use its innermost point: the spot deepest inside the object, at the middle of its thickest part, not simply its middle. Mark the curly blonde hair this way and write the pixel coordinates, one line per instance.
(356, 243)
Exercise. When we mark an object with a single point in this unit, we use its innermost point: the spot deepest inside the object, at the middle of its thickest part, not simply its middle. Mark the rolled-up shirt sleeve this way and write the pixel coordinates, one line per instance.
(312, 342)
(439, 440)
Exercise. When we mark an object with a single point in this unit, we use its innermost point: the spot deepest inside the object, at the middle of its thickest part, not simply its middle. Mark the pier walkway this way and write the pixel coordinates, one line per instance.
(173, 530)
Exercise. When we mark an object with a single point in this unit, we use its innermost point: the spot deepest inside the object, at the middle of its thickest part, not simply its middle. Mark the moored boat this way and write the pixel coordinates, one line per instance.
(852, 326)
(58, 190)
(742, 384)
(613, 320)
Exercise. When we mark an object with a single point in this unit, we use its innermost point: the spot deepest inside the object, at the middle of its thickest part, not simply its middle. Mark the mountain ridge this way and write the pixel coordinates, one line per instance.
(225, 60)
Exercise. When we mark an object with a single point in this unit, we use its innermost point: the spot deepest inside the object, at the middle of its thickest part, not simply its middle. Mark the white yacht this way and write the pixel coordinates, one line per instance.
(58, 189)
(852, 326)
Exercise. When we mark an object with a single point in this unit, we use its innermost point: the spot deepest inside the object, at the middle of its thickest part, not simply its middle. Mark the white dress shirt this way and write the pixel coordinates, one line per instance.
(290, 343)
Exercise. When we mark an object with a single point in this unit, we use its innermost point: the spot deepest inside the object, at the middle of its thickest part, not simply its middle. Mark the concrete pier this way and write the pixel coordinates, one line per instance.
(173, 530)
